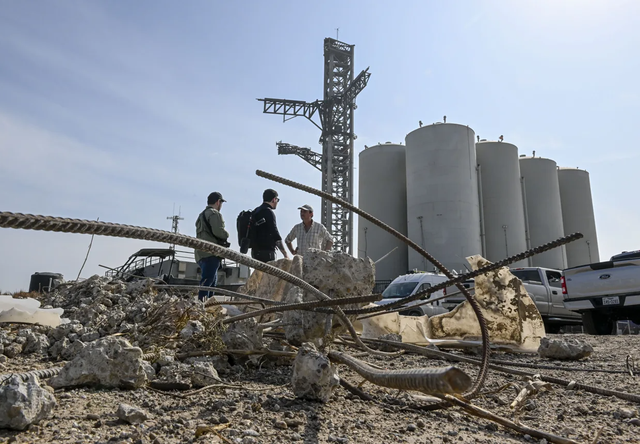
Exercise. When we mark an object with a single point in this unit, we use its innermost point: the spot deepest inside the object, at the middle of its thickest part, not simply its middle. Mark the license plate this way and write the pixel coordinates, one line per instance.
(612, 300)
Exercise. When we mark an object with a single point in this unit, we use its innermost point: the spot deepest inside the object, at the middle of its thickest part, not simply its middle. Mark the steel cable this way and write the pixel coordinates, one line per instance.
(67, 225)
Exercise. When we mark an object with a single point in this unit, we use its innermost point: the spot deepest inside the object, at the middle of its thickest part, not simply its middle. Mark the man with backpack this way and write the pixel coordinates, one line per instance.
(210, 227)
(263, 231)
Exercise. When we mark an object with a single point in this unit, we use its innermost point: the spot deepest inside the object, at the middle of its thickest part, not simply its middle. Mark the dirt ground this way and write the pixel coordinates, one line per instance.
(264, 410)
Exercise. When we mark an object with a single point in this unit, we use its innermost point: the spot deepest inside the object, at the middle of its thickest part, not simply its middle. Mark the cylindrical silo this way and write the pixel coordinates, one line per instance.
(501, 201)
(542, 200)
(578, 216)
(383, 194)
(443, 213)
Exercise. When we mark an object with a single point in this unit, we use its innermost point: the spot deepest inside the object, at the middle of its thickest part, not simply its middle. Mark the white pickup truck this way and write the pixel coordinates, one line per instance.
(544, 286)
(604, 292)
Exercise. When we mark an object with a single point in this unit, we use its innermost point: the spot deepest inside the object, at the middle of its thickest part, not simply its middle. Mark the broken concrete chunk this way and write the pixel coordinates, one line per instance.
(338, 274)
(12, 350)
(192, 328)
(304, 326)
(204, 374)
(565, 348)
(131, 414)
(512, 317)
(109, 362)
(243, 335)
(313, 375)
(24, 403)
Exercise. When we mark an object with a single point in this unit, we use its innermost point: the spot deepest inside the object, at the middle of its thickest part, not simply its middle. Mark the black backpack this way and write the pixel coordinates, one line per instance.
(243, 224)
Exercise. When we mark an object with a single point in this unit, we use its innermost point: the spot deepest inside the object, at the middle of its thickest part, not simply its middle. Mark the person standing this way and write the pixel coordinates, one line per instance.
(265, 236)
(310, 234)
(210, 227)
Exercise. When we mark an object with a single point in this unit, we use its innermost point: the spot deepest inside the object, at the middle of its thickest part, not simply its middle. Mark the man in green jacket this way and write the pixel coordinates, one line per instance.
(210, 227)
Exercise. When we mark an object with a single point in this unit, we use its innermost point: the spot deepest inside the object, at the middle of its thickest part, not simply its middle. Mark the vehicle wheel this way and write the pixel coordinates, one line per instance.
(597, 323)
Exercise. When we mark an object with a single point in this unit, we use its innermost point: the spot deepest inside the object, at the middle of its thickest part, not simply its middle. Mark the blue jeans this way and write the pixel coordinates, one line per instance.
(209, 266)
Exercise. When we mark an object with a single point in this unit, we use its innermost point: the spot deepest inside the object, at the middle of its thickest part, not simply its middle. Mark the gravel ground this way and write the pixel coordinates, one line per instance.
(265, 411)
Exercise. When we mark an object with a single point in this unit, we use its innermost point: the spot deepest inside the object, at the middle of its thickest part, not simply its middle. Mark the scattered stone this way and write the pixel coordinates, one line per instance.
(564, 349)
(131, 414)
(24, 403)
(192, 328)
(109, 362)
(12, 350)
(313, 375)
(280, 424)
(243, 335)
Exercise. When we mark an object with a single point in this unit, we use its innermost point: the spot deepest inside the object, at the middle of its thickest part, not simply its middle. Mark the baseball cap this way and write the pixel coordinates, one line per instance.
(309, 208)
(214, 197)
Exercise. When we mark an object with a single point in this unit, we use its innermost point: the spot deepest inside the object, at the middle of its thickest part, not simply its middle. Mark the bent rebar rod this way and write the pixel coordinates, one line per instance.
(307, 306)
(67, 225)
(463, 277)
(40, 374)
(474, 304)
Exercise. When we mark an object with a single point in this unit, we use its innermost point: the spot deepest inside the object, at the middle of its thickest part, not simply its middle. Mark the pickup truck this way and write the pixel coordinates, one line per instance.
(604, 292)
(544, 285)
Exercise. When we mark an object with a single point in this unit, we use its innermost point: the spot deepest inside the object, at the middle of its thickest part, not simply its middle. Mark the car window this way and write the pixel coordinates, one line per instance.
(554, 278)
(399, 290)
(528, 276)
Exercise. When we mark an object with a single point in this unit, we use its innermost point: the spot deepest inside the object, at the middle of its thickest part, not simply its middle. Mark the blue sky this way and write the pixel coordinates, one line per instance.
(125, 110)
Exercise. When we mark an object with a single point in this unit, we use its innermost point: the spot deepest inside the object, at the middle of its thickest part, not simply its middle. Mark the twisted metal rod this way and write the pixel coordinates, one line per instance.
(40, 374)
(309, 306)
(463, 277)
(67, 225)
(474, 304)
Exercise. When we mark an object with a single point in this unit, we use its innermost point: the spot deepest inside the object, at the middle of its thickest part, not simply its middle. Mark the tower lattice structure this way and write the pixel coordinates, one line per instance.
(334, 117)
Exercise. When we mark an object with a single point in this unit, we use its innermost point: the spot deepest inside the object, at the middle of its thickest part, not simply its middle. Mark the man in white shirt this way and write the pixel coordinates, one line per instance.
(309, 234)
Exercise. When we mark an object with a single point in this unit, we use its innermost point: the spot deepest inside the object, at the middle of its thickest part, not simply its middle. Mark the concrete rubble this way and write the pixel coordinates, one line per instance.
(313, 375)
(336, 274)
(564, 349)
(131, 414)
(112, 323)
(24, 403)
(512, 317)
(108, 362)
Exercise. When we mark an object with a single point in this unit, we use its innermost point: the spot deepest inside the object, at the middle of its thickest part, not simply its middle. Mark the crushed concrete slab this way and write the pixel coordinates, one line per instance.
(24, 403)
(338, 274)
(131, 414)
(108, 362)
(192, 328)
(195, 374)
(313, 375)
(512, 317)
(305, 326)
(564, 349)
(243, 335)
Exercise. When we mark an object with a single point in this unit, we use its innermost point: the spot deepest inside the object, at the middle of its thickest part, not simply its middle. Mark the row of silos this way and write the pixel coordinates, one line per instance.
(455, 197)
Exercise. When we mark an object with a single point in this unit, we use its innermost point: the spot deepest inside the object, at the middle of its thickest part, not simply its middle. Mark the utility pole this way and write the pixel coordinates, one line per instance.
(174, 224)
(335, 121)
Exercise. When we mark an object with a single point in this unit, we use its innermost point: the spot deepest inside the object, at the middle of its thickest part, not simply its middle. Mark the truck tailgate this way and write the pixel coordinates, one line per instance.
(603, 279)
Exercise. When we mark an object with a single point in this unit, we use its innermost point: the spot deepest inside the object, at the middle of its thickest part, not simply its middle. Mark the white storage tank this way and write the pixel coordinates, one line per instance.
(544, 213)
(443, 213)
(578, 216)
(502, 211)
(383, 194)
